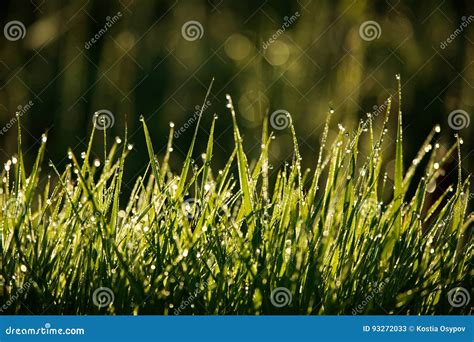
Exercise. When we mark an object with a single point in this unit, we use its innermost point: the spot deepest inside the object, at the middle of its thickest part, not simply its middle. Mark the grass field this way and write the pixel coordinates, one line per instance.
(238, 241)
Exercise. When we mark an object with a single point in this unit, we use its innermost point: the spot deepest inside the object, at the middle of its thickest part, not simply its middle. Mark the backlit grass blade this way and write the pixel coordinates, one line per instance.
(241, 163)
(151, 154)
(189, 156)
(118, 185)
(208, 158)
(398, 193)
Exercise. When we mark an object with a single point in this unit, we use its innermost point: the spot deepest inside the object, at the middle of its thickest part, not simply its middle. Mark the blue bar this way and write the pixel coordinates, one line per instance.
(238, 328)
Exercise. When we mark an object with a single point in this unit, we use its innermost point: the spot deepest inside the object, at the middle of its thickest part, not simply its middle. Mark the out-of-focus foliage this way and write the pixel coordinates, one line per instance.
(142, 64)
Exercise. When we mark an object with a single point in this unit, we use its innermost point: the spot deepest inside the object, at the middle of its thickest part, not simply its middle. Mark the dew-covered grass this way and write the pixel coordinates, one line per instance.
(198, 241)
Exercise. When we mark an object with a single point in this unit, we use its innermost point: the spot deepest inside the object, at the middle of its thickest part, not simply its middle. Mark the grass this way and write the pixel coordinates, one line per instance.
(205, 242)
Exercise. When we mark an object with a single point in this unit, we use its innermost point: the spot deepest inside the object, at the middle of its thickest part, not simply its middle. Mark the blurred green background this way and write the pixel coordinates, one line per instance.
(74, 58)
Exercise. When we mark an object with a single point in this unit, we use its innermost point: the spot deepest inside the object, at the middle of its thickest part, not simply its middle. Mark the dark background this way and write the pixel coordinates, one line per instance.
(143, 65)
